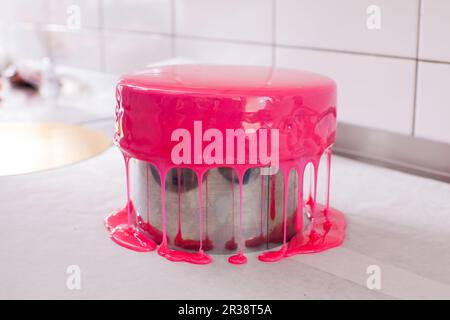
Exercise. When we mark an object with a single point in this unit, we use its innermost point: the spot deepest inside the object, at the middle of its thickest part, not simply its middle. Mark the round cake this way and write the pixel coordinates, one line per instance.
(215, 159)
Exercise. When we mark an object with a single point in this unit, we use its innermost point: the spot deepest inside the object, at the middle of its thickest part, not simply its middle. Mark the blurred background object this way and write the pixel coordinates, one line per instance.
(390, 58)
(43, 146)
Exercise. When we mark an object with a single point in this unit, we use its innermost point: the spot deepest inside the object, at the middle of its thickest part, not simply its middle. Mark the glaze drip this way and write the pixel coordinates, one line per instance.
(325, 231)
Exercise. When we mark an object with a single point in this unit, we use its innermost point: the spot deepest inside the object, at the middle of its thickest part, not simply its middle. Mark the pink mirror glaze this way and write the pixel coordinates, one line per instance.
(155, 102)
(152, 103)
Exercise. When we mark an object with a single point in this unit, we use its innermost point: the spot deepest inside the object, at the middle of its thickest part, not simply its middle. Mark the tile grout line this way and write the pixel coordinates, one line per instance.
(416, 71)
(101, 35)
(173, 27)
(358, 53)
(274, 30)
(255, 43)
(49, 48)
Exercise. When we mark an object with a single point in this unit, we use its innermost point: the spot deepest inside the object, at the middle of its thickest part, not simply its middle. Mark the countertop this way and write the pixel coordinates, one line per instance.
(53, 219)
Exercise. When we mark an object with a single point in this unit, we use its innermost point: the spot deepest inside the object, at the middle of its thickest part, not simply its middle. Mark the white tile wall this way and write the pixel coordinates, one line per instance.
(6, 8)
(375, 69)
(246, 20)
(376, 92)
(433, 102)
(435, 30)
(26, 42)
(79, 49)
(138, 15)
(224, 52)
(3, 47)
(34, 11)
(341, 25)
(126, 52)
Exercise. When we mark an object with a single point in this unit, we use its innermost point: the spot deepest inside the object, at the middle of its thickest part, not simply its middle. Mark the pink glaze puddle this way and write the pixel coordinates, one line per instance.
(326, 231)
(153, 103)
(182, 256)
(116, 218)
(121, 224)
(131, 238)
(237, 259)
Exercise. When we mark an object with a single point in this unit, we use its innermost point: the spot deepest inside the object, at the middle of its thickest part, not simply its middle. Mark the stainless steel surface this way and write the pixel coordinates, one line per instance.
(406, 153)
(220, 208)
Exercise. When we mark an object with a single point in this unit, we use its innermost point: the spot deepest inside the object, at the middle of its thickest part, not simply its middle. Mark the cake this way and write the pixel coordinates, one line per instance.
(215, 158)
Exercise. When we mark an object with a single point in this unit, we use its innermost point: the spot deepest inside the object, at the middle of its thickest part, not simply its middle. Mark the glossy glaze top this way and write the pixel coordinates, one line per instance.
(227, 79)
(151, 104)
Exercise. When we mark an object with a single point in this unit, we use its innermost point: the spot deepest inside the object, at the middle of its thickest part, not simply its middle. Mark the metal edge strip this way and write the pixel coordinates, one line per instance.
(414, 155)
